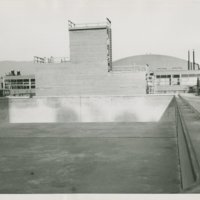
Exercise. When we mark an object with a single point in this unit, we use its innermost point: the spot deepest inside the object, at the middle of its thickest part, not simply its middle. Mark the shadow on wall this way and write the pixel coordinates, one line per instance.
(4, 110)
(87, 109)
(66, 115)
(126, 117)
(123, 109)
(167, 115)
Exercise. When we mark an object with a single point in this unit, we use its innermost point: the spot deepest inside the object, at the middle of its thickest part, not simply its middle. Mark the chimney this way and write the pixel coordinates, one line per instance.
(12, 72)
(193, 60)
(188, 60)
(18, 73)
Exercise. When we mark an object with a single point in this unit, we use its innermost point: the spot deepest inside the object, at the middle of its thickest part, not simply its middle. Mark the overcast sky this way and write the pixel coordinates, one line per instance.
(39, 27)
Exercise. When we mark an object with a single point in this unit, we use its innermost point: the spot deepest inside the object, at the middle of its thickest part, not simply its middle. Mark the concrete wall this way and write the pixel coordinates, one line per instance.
(4, 110)
(86, 79)
(88, 109)
(88, 45)
(187, 174)
(188, 163)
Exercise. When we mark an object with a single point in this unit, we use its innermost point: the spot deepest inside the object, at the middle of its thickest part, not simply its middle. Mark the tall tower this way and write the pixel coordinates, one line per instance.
(91, 43)
(193, 62)
(189, 64)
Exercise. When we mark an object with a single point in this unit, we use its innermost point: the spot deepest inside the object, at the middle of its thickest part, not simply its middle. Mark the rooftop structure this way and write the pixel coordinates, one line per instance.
(89, 71)
(98, 25)
(37, 59)
(91, 42)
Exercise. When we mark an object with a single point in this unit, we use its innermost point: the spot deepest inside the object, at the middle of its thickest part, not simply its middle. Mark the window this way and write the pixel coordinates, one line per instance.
(176, 76)
(19, 81)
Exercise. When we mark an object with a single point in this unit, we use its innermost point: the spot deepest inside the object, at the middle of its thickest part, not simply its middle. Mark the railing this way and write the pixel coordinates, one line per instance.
(83, 25)
(50, 59)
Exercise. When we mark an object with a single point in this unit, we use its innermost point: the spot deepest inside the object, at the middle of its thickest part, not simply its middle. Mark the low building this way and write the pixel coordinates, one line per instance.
(177, 79)
(171, 81)
(17, 85)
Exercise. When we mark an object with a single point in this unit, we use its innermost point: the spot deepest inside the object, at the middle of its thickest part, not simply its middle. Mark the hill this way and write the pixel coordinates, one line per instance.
(154, 62)
(26, 67)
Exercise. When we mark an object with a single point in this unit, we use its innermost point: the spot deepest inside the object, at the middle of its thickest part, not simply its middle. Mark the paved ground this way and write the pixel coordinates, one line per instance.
(192, 121)
(193, 100)
(90, 157)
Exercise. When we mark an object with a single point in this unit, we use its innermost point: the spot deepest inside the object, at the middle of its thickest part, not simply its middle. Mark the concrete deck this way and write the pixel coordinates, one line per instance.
(126, 157)
(193, 100)
(189, 107)
(108, 158)
(192, 120)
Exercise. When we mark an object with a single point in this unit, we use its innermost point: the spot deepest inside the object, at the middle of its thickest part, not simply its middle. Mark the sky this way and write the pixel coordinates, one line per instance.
(39, 27)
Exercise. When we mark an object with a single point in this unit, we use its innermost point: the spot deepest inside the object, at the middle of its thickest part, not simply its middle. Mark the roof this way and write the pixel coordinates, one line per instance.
(177, 72)
(19, 77)
(88, 26)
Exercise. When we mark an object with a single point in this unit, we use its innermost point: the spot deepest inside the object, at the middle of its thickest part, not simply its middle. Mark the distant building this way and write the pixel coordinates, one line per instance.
(86, 73)
(89, 71)
(17, 85)
(88, 43)
(173, 80)
(177, 81)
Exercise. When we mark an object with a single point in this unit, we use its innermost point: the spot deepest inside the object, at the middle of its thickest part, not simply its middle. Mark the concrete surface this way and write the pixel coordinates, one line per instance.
(4, 110)
(89, 45)
(192, 100)
(192, 126)
(87, 109)
(187, 169)
(128, 157)
(86, 79)
(107, 164)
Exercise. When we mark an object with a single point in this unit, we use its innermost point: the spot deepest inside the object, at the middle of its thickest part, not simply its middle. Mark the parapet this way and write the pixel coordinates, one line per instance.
(88, 26)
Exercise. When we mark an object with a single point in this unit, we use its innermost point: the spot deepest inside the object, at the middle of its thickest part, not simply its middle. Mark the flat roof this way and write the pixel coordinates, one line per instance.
(176, 72)
(171, 87)
(19, 77)
(88, 26)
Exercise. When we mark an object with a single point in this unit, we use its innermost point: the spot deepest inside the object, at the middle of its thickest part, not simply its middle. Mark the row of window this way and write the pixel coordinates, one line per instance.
(178, 75)
(19, 87)
(19, 81)
(18, 84)
(167, 76)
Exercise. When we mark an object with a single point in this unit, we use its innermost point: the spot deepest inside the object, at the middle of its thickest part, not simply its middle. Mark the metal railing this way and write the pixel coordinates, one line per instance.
(83, 25)
(50, 59)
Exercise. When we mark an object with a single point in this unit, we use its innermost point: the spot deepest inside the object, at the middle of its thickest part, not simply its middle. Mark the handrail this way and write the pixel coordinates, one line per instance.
(82, 25)
(51, 59)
